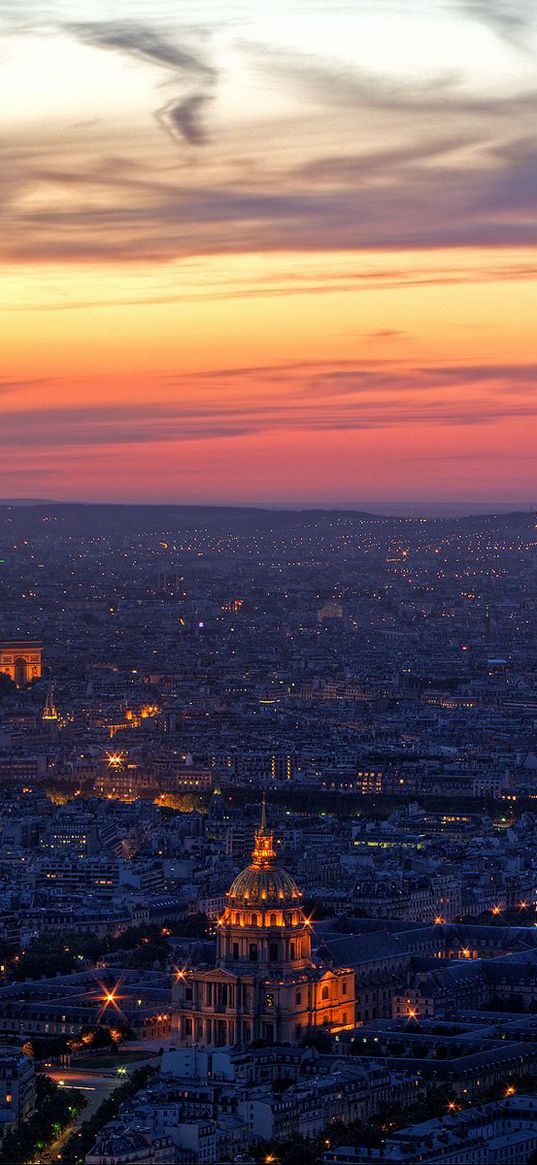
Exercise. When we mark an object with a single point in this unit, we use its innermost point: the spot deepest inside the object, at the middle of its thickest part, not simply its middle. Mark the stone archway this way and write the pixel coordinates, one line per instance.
(21, 671)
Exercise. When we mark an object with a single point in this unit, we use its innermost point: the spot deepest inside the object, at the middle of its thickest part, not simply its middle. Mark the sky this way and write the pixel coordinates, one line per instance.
(269, 253)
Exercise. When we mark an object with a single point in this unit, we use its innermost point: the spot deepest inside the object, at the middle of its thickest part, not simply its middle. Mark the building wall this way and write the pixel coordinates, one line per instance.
(21, 660)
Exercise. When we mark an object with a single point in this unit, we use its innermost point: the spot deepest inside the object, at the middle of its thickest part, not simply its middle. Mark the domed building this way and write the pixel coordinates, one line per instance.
(265, 984)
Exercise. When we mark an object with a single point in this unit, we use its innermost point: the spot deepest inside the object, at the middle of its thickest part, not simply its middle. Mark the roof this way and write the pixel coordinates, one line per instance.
(366, 948)
(264, 887)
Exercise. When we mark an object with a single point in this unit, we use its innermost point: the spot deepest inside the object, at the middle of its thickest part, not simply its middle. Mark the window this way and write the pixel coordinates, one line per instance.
(324, 993)
(254, 919)
(298, 997)
(235, 950)
(273, 952)
(344, 987)
(188, 994)
(292, 949)
(269, 1000)
(273, 921)
(252, 952)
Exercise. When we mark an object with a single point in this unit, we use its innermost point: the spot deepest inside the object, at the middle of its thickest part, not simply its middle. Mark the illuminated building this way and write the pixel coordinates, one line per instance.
(232, 605)
(17, 1088)
(21, 660)
(191, 780)
(50, 711)
(331, 610)
(265, 984)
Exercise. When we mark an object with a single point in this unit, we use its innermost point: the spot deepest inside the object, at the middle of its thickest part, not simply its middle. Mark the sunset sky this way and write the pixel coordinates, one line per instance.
(279, 252)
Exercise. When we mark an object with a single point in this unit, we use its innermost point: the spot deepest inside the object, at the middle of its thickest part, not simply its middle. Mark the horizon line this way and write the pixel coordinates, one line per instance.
(378, 508)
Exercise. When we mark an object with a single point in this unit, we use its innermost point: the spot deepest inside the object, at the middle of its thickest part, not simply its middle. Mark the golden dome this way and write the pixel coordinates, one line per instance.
(270, 886)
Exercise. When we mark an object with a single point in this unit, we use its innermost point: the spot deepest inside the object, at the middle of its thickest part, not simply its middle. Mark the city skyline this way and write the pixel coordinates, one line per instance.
(268, 787)
(278, 257)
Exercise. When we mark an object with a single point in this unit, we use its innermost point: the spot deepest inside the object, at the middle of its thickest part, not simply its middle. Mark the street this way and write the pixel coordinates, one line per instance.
(94, 1086)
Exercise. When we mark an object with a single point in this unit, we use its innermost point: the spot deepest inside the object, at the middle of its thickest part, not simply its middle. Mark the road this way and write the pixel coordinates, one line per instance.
(94, 1086)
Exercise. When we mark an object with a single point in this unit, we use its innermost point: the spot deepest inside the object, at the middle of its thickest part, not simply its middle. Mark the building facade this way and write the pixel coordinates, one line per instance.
(21, 660)
(265, 985)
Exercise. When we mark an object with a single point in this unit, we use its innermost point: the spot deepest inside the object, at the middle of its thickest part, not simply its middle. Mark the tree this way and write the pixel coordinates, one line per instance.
(6, 686)
(55, 1108)
(80, 1143)
(320, 1040)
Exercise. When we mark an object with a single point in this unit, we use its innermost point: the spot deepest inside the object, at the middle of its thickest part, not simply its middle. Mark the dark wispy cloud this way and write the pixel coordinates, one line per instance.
(327, 82)
(186, 118)
(491, 206)
(289, 398)
(510, 19)
(364, 165)
(142, 41)
(10, 386)
(183, 116)
(459, 170)
(385, 334)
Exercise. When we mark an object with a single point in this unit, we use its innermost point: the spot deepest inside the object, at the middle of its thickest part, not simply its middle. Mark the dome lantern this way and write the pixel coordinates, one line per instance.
(263, 853)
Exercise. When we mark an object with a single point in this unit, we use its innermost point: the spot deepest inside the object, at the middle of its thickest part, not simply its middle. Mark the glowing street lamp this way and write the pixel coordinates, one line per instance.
(115, 760)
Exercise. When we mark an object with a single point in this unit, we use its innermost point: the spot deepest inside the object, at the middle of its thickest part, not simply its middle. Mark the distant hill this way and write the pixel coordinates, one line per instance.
(77, 518)
(82, 518)
(28, 502)
(388, 509)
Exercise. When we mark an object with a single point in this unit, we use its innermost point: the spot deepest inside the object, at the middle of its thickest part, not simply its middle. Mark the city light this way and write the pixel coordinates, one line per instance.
(115, 760)
(110, 998)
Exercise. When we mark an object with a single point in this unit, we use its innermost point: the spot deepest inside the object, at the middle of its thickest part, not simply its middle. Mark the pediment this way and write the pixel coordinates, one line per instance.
(220, 975)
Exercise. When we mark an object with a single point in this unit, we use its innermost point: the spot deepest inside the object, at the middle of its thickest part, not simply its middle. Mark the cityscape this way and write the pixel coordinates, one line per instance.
(268, 582)
(268, 816)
